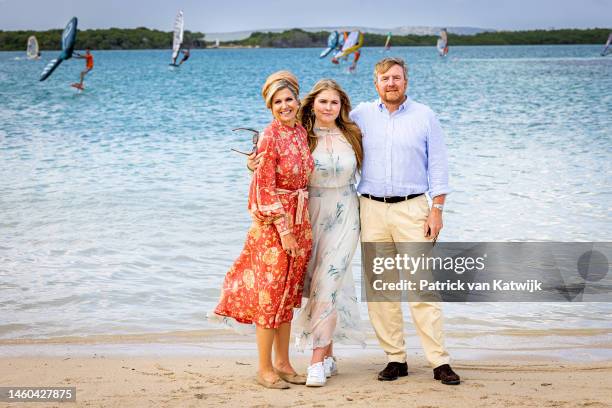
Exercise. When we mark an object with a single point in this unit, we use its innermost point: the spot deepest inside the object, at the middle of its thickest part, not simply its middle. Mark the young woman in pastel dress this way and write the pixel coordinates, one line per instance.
(331, 312)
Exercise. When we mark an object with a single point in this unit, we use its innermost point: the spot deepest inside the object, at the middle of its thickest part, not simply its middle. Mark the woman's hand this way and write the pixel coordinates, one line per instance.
(255, 160)
(289, 244)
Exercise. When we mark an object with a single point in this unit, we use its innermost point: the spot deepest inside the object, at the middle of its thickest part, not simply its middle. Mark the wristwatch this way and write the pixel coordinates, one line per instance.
(438, 206)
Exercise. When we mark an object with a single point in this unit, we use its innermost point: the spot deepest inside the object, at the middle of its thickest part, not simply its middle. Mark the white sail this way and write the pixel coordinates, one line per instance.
(607, 48)
(352, 43)
(32, 49)
(177, 40)
(388, 41)
(442, 44)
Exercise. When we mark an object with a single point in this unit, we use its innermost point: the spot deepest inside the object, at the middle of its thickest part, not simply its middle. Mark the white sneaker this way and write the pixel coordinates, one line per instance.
(316, 375)
(330, 366)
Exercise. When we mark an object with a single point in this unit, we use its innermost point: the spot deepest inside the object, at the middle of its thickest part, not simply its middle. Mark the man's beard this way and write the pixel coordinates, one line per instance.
(393, 98)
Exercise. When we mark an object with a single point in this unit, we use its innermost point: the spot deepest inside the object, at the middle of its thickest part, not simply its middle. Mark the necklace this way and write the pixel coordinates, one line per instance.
(323, 131)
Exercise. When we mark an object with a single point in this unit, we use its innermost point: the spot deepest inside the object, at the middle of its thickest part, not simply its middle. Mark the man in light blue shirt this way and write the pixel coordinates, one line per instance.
(404, 159)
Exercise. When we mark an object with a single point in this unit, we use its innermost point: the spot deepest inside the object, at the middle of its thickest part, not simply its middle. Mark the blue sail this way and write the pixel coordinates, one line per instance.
(332, 43)
(68, 41)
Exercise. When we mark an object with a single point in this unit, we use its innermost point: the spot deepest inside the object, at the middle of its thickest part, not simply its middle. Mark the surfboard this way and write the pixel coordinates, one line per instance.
(77, 86)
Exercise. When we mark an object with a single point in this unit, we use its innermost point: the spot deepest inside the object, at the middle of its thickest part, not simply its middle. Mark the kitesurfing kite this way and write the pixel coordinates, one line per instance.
(388, 42)
(353, 42)
(32, 50)
(333, 43)
(607, 48)
(177, 39)
(68, 40)
(442, 44)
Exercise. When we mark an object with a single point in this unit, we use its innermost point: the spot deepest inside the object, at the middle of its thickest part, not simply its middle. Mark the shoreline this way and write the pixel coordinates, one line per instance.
(242, 333)
(572, 346)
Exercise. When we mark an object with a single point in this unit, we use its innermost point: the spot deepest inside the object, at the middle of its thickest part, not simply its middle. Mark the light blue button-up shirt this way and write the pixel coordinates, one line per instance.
(404, 151)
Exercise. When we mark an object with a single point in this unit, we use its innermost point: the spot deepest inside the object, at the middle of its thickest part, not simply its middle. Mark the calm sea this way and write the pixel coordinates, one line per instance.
(122, 207)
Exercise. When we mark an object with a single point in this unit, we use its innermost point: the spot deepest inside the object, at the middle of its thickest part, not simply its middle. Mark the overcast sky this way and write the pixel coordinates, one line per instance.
(238, 15)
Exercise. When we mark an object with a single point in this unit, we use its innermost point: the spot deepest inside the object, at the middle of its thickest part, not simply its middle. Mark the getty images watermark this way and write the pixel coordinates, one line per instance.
(487, 272)
(459, 265)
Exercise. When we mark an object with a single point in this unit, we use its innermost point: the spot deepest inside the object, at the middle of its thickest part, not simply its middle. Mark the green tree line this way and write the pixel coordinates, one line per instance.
(144, 38)
(107, 39)
(297, 38)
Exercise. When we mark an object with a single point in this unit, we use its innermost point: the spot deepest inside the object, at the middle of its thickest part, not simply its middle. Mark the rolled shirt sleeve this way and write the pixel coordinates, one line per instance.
(437, 159)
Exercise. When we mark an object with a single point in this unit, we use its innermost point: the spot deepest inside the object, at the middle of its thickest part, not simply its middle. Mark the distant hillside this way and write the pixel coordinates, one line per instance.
(107, 39)
(298, 38)
(241, 35)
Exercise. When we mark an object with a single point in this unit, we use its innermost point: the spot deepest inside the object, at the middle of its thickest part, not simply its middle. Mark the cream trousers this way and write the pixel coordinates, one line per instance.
(402, 222)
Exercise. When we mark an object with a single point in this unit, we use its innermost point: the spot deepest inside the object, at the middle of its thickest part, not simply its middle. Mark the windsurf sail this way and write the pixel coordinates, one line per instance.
(607, 47)
(352, 43)
(332, 43)
(68, 40)
(442, 44)
(177, 39)
(388, 42)
(32, 49)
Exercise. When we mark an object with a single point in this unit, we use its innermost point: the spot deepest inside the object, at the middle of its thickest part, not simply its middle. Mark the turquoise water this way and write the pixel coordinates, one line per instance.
(122, 207)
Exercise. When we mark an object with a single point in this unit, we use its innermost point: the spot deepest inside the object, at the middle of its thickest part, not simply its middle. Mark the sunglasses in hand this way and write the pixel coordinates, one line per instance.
(255, 140)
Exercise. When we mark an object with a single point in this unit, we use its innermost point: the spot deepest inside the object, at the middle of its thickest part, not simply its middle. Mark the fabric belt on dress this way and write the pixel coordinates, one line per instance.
(392, 200)
(302, 195)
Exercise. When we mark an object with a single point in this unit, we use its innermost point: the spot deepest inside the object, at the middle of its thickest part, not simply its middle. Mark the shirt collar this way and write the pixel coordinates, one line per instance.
(381, 106)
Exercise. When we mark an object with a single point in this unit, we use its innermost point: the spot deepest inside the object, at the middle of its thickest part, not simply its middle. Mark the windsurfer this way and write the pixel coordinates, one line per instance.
(186, 55)
(89, 64)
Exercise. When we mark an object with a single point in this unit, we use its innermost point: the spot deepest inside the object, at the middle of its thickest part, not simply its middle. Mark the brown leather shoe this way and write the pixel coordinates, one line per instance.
(279, 384)
(292, 378)
(446, 375)
(393, 371)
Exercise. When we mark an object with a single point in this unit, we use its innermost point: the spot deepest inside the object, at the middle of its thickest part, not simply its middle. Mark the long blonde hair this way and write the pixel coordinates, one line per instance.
(349, 129)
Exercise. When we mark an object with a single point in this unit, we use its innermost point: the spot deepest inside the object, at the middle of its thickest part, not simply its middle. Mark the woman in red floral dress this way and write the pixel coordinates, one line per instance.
(265, 283)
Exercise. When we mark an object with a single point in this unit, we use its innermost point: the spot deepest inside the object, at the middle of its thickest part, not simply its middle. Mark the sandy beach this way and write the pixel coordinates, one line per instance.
(125, 371)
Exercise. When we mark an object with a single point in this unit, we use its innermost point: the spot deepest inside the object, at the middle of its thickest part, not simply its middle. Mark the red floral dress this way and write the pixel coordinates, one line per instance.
(265, 283)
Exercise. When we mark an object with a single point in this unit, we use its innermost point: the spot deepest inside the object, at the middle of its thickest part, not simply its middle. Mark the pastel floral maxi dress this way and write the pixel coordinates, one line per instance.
(332, 310)
(265, 284)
